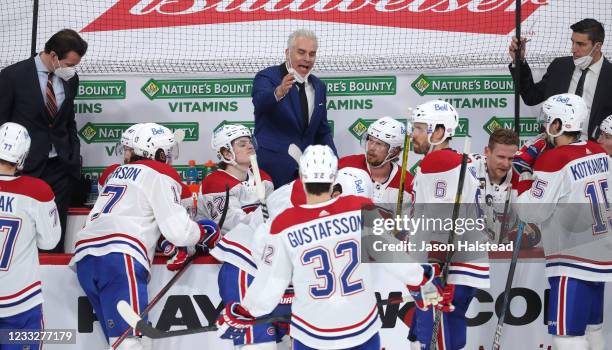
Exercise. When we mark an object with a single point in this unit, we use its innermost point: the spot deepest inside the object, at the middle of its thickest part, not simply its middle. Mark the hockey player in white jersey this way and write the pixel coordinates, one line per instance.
(177, 256)
(139, 202)
(384, 142)
(436, 181)
(605, 135)
(233, 144)
(29, 221)
(240, 248)
(494, 173)
(568, 195)
(317, 247)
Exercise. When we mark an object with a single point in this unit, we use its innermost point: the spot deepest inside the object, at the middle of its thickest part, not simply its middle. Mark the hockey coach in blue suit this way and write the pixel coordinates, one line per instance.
(290, 107)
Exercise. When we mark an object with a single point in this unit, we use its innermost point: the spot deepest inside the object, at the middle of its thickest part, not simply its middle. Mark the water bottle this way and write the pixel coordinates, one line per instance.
(209, 167)
(194, 186)
(192, 173)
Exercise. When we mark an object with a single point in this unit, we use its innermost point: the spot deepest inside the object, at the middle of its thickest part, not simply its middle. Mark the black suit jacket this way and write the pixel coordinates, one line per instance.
(21, 102)
(557, 81)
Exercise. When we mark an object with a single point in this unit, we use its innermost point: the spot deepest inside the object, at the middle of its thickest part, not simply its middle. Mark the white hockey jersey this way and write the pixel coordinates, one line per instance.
(570, 199)
(139, 202)
(242, 197)
(243, 245)
(317, 248)
(436, 183)
(29, 221)
(186, 199)
(387, 191)
(492, 197)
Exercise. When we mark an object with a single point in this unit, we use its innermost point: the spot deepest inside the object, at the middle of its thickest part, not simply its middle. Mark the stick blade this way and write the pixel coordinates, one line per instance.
(295, 152)
(127, 313)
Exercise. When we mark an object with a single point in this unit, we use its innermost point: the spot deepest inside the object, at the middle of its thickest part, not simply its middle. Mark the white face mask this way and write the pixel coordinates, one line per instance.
(65, 73)
(298, 78)
(584, 62)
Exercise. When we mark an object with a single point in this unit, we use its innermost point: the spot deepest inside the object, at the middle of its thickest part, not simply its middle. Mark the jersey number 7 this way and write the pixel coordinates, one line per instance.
(325, 270)
(115, 193)
(9, 228)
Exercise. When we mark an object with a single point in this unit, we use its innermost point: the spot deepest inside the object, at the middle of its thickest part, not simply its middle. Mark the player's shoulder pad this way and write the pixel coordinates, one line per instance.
(398, 177)
(161, 168)
(185, 191)
(440, 161)
(264, 176)
(553, 160)
(298, 197)
(354, 161)
(215, 182)
(298, 215)
(109, 170)
(29, 186)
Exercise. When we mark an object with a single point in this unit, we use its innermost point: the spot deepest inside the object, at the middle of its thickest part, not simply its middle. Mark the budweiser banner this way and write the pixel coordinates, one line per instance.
(169, 36)
(194, 302)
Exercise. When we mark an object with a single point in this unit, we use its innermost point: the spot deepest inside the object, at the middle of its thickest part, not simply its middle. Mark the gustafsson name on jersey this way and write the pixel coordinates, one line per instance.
(590, 167)
(324, 229)
(125, 172)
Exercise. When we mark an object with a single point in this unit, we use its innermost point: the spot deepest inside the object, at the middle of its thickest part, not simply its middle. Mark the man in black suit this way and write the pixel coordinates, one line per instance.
(39, 93)
(586, 73)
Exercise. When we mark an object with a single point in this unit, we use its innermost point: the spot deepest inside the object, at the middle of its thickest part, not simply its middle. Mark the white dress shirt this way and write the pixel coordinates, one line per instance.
(590, 84)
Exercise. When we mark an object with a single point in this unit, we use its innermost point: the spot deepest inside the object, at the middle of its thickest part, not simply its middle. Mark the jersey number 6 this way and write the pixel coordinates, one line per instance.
(325, 269)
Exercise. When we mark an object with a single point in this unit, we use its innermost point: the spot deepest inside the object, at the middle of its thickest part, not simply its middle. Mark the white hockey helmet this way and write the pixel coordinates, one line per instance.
(570, 109)
(354, 181)
(223, 137)
(127, 138)
(390, 131)
(437, 112)
(318, 164)
(154, 141)
(14, 143)
(606, 125)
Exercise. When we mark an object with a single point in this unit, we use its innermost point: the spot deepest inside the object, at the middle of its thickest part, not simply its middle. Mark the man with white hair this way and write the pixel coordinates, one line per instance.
(290, 107)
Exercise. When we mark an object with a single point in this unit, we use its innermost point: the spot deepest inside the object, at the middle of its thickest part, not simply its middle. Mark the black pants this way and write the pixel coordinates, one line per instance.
(61, 183)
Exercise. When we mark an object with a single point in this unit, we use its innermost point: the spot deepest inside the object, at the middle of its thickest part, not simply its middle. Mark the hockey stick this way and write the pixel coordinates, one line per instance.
(505, 305)
(259, 187)
(402, 184)
(295, 152)
(504, 226)
(144, 327)
(173, 280)
(433, 345)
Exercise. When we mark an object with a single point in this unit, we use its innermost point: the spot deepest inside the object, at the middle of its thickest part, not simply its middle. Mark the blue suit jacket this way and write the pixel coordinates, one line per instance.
(279, 123)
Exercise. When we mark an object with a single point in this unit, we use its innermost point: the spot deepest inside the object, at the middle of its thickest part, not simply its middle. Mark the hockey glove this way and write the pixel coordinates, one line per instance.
(177, 256)
(234, 321)
(527, 155)
(429, 292)
(210, 233)
(448, 293)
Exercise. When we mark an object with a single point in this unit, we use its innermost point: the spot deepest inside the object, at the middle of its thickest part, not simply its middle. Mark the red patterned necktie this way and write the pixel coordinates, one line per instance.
(51, 102)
